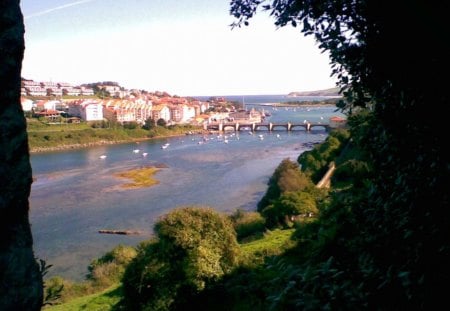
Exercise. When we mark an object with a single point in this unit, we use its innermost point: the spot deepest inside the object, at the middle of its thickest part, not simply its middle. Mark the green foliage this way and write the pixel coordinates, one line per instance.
(131, 125)
(351, 171)
(59, 136)
(382, 241)
(320, 287)
(99, 124)
(109, 268)
(100, 301)
(149, 124)
(287, 177)
(207, 237)
(103, 273)
(393, 245)
(194, 245)
(295, 204)
(247, 287)
(161, 122)
(271, 243)
(247, 224)
(315, 162)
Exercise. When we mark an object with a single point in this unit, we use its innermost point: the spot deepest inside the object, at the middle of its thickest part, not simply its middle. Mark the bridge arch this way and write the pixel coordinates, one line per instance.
(284, 126)
(326, 127)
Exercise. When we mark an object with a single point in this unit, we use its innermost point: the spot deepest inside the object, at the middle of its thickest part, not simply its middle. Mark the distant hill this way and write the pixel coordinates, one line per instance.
(327, 92)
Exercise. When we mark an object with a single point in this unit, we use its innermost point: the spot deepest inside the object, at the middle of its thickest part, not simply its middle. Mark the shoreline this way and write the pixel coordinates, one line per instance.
(97, 143)
(295, 104)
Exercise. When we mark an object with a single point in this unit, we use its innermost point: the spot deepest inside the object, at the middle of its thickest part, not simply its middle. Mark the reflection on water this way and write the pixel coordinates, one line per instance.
(75, 193)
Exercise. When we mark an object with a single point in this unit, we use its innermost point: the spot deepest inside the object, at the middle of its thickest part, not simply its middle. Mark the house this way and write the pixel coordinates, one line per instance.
(87, 91)
(138, 110)
(252, 116)
(176, 112)
(92, 111)
(161, 112)
(73, 120)
(49, 114)
(337, 122)
(27, 104)
(86, 110)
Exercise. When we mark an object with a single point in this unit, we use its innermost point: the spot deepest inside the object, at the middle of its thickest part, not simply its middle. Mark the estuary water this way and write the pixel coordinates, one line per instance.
(75, 194)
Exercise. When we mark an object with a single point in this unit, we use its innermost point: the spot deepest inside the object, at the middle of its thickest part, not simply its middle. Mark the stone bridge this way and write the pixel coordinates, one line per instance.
(236, 126)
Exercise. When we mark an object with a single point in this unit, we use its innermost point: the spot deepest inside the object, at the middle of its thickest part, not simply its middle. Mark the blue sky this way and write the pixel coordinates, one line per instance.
(185, 48)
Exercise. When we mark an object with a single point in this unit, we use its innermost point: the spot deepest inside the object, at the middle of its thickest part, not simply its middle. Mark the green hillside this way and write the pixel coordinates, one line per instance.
(326, 92)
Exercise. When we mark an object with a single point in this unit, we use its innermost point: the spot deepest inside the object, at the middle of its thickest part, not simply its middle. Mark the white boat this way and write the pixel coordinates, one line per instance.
(144, 154)
(136, 150)
(165, 146)
(102, 156)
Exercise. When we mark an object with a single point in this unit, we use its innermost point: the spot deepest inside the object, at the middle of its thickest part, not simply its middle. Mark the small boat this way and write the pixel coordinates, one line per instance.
(144, 154)
(165, 146)
(102, 156)
(136, 150)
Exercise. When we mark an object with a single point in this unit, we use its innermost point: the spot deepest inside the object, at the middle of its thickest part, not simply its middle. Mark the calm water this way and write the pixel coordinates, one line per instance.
(75, 193)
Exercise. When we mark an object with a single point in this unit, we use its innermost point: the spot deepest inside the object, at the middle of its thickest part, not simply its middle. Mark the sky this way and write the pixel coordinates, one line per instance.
(185, 48)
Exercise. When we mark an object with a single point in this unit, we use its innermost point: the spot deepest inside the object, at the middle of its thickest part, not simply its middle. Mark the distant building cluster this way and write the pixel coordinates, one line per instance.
(34, 88)
(122, 106)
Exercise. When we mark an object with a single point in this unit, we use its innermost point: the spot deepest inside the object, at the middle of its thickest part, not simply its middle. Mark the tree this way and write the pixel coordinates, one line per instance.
(161, 122)
(194, 245)
(287, 177)
(149, 124)
(288, 206)
(109, 268)
(21, 286)
(401, 227)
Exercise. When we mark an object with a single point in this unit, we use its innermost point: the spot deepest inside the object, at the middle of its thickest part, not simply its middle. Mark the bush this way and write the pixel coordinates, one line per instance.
(289, 207)
(109, 268)
(287, 177)
(247, 224)
(351, 171)
(130, 125)
(194, 246)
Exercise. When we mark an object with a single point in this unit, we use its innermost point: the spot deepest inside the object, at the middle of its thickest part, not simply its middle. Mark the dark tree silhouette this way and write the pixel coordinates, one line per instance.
(20, 276)
(392, 58)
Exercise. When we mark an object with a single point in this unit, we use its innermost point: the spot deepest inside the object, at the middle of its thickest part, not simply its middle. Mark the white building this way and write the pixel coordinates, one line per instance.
(188, 113)
(86, 110)
(161, 112)
(27, 104)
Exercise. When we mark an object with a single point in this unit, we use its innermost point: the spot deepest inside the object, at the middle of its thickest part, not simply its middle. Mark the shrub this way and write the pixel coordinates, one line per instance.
(109, 268)
(247, 224)
(194, 245)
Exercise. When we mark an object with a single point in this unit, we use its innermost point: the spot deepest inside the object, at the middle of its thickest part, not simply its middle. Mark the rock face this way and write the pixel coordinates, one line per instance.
(20, 276)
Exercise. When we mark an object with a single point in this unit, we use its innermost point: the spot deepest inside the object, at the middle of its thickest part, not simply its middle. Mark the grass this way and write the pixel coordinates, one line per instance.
(141, 177)
(253, 254)
(272, 243)
(101, 301)
(43, 136)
